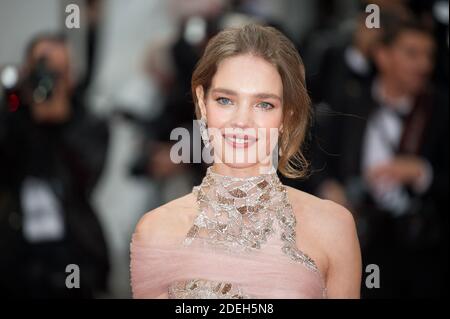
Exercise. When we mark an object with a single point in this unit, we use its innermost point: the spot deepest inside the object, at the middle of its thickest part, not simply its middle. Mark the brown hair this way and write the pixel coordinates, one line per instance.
(271, 45)
(395, 25)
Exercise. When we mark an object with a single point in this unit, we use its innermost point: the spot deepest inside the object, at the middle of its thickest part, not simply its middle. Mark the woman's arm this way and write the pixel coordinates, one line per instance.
(163, 296)
(344, 255)
(144, 261)
(155, 236)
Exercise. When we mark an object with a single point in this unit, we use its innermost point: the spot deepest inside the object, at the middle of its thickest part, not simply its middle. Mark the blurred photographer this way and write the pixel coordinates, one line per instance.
(51, 156)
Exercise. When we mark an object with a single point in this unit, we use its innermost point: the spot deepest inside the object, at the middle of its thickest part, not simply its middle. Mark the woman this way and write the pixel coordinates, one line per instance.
(241, 233)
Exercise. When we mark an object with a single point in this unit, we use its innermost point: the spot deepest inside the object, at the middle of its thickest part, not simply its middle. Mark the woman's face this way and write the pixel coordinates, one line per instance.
(243, 110)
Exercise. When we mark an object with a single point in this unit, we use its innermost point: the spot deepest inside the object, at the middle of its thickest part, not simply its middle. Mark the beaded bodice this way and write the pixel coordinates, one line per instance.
(240, 216)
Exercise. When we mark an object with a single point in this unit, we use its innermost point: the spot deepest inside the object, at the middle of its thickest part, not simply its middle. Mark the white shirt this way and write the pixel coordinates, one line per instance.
(382, 138)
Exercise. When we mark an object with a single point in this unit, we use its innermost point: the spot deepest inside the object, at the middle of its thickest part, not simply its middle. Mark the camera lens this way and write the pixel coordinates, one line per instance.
(43, 81)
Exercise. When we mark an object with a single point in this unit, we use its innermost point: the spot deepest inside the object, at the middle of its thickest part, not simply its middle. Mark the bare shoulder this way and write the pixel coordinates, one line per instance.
(171, 218)
(331, 233)
(330, 221)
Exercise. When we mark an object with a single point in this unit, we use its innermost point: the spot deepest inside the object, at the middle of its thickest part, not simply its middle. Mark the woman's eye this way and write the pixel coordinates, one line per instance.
(223, 101)
(265, 105)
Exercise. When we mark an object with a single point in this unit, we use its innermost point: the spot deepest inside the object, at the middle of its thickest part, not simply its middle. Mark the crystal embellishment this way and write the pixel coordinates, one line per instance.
(241, 214)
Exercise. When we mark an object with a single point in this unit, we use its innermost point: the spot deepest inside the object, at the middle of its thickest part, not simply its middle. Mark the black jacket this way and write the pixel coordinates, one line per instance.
(69, 157)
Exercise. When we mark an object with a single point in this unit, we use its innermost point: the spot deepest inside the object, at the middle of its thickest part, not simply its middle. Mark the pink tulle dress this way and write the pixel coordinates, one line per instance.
(242, 244)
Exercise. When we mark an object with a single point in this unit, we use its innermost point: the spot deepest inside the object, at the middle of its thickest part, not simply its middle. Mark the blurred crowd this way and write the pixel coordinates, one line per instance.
(377, 142)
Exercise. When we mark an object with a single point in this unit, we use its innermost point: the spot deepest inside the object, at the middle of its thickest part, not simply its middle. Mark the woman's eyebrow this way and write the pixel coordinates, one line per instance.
(258, 95)
(224, 91)
(268, 96)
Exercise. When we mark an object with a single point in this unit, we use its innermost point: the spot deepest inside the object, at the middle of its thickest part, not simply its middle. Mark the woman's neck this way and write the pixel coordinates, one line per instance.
(255, 170)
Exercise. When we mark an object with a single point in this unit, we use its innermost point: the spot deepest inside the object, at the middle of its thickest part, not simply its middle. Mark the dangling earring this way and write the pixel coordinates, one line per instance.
(280, 152)
(204, 132)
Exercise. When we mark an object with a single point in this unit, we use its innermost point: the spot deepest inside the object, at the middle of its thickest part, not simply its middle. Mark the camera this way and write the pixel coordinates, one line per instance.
(41, 81)
(37, 87)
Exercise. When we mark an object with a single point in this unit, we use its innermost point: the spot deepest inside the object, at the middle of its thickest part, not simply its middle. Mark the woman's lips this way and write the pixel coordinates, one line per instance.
(239, 141)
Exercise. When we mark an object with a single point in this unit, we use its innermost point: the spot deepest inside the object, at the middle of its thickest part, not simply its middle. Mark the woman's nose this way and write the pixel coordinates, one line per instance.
(242, 117)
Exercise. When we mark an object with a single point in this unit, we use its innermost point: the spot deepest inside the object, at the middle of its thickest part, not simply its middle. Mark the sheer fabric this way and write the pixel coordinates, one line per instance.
(242, 244)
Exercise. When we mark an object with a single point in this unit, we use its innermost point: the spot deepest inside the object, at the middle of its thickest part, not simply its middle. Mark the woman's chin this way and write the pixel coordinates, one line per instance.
(245, 165)
(241, 165)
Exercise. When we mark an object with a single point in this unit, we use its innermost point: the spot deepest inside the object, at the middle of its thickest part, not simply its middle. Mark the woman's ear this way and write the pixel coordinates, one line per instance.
(201, 100)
